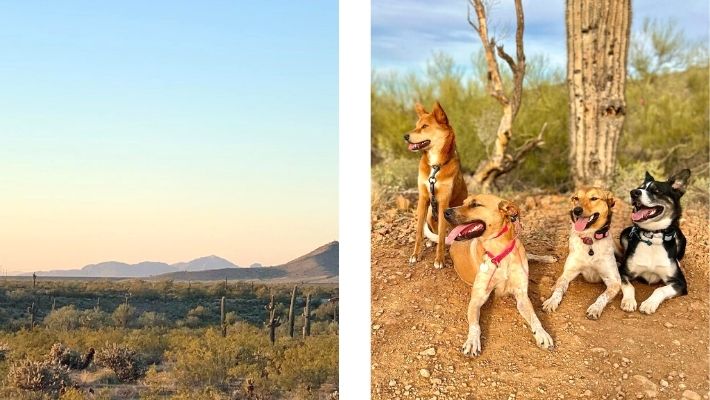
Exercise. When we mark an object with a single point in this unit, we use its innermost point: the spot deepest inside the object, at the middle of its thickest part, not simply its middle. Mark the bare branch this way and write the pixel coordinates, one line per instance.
(507, 58)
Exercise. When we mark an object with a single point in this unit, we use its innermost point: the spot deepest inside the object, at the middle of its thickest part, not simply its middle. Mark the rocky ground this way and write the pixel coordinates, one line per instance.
(419, 322)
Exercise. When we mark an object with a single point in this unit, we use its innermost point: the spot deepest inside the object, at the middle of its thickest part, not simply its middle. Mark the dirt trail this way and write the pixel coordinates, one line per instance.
(419, 324)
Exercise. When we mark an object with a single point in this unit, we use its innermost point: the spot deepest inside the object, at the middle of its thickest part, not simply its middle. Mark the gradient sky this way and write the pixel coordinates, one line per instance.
(166, 131)
(406, 33)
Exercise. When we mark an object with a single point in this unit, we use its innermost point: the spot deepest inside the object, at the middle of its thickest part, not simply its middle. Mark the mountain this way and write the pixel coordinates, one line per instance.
(204, 264)
(318, 266)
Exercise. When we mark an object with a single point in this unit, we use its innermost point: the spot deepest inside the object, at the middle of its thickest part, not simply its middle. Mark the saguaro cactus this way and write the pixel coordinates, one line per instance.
(225, 284)
(34, 280)
(307, 317)
(273, 321)
(54, 303)
(97, 307)
(32, 311)
(291, 312)
(222, 321)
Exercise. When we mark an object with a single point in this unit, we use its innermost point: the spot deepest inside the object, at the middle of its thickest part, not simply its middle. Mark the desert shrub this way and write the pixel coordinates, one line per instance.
(196, 317)
(73, 394)
(63, 355)
(230, 318)
(123, 315)
(152, 319)
(38, 376)
(4, 351)
(94, 319)
(124, 362)
(64, 318)
(310, 364)
(149, 343)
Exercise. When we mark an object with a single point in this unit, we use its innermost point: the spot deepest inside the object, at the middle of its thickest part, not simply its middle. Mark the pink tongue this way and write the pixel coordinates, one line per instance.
(455, 232)
(411, 146)
(581, 224)
(641, 214)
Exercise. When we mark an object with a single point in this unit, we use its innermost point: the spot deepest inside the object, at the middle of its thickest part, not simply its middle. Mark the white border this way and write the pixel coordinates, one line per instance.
(354, 195)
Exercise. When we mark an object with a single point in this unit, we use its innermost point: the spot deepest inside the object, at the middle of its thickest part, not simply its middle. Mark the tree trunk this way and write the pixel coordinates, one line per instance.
(597, 48)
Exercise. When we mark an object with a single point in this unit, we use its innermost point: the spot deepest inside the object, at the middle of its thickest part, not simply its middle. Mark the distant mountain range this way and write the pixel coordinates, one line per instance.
(320, 265)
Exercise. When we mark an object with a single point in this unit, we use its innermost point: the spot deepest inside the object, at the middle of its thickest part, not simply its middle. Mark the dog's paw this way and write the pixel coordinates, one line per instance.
(428, 244)
(413, 260)
(550, 304)
(594, 311)
(438, 264)
(543, 340)
(649, 306)
(472, 346)
(628, 305)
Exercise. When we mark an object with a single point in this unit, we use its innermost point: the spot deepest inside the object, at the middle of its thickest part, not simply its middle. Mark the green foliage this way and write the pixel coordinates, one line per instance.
(62, 355)
(38, 376)
(123, 315)
(122, 360)
(152, 319)
(310, 364)
(64, 318)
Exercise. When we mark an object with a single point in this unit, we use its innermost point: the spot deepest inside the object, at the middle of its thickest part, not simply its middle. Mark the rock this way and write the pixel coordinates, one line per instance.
(428, 352)
(664, 383)
(402, 203)
(676, 342)
(668, 325)
(600, 350)
(691, 395)
(424, 372)
(393, 383)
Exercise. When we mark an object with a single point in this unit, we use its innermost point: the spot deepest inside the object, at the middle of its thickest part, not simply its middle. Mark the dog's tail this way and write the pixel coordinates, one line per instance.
(541, 259)
(429, 234)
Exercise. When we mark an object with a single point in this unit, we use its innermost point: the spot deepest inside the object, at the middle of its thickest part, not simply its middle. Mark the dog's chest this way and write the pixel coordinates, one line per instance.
(602, 251)
(651, 262)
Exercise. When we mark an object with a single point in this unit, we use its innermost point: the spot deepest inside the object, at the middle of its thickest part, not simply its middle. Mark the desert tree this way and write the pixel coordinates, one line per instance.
(502, 160)
(597, 50)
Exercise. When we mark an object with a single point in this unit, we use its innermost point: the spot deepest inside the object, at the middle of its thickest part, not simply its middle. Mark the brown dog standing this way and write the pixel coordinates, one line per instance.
(488, 255)
(440, 182)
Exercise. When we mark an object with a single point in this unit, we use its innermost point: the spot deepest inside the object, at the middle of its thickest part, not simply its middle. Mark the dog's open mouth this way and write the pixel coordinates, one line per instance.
(418, 146)
(642, 213)
(582, 223)
(466, 231)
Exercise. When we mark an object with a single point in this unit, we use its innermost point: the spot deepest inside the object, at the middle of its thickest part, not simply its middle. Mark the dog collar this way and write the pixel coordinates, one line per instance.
(598, 235)
(508, 249)
(432, 191)
(667, 234)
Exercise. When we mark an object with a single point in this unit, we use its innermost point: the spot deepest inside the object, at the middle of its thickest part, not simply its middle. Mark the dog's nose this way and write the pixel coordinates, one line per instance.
(448, 213)
(406, 137)
(577, 211)
(636, 193)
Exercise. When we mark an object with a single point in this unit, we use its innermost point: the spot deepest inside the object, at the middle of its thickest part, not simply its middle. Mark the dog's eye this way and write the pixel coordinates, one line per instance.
(575, 198)
(473, 205)
(424, 126)
(594, 199)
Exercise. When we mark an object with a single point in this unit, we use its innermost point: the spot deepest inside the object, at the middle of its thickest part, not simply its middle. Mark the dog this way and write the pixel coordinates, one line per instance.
(654, 245)
(487, 255)
(591, 249)
(440, 181)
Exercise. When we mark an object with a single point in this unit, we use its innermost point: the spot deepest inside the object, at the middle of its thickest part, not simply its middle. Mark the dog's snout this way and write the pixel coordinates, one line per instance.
(636, 193)
(449, 213)
(577, 211)
(406, 137)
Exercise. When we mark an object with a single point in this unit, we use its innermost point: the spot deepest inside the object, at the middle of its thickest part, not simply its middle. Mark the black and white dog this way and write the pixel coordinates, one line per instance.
(654, 245)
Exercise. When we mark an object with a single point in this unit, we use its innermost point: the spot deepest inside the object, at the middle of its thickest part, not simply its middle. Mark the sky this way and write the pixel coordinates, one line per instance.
(166, 131)
(406, 33)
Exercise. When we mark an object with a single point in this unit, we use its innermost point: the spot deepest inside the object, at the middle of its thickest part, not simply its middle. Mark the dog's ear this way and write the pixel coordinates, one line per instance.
(679, 181)
(439, 114)
(509, 209)
(609, 197)
(419, 109)
(648, 178)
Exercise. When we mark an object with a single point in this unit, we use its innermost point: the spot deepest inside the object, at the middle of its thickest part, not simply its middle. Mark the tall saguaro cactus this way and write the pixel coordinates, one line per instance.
(307, 317)
(597, 51)
(222, 321)
(273, 321)
(32, 311)
(291, 312)
(34, 280)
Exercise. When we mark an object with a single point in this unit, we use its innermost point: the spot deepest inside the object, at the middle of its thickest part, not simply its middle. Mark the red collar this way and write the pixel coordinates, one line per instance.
(508, 249)
(598, 235)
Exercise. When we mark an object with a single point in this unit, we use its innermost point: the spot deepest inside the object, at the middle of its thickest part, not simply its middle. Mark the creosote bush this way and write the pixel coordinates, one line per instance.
(62, 355)
(124, 362)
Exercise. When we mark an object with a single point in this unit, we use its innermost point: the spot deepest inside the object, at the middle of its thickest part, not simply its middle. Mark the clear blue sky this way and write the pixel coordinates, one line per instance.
(405, 33)
(166, 130)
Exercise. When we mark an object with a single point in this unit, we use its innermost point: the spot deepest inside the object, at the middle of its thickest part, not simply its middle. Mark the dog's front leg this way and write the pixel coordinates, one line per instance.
(422, 206)
(613, 285)
(479, 295)
(569, 272)
(441, 232)
(650, 305)
(628, 301)
(525, 308)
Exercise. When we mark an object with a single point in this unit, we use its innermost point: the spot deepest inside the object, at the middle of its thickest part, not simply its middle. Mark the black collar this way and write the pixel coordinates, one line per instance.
(667, 234)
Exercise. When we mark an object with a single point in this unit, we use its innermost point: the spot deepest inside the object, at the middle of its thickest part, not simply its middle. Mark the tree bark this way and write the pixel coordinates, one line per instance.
(597, 49)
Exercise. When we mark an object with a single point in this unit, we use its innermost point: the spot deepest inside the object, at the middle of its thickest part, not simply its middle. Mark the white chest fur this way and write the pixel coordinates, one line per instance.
(603, 250)
(651, 262)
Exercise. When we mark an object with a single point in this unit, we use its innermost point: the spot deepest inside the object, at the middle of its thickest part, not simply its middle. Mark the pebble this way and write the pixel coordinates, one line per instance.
(676, 342)
(428, 352)
(664, 383)
(690, 395)
(668, 325)
(393, 383)
(424, 372)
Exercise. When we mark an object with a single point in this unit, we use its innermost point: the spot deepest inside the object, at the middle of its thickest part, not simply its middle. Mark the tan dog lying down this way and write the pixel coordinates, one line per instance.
(488, 255)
